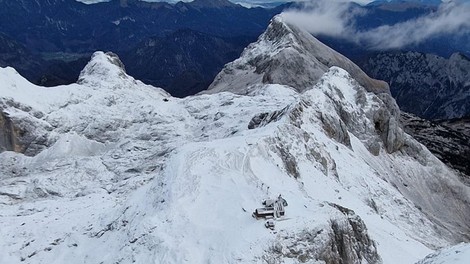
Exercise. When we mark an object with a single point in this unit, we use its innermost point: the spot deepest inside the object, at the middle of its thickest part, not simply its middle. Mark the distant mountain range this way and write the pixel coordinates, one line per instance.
(428, 85)
(70, 26)
(448, 140)
(184, 62)
(66, 32)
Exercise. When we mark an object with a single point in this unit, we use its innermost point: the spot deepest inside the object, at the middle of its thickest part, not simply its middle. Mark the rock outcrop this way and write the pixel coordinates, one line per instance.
(343, 239)
(9, 135)
(28, 134)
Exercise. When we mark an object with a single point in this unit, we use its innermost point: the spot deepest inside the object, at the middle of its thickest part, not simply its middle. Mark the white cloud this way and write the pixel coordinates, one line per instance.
(322, 17)
(336, 19)
(450, 19)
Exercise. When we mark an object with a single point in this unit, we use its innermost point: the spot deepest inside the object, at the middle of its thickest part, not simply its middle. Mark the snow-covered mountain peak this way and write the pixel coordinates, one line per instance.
(105, 68)
(281, 35)
(119, 171)
(286, 54)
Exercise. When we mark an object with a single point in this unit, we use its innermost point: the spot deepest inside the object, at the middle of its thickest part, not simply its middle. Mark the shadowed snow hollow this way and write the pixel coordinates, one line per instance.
(128, 174)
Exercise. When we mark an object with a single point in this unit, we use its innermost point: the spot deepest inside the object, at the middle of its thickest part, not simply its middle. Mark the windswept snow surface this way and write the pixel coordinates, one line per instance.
(133, 175)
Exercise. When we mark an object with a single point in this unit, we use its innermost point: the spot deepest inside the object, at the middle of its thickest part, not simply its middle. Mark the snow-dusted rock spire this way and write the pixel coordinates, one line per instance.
(103, 68)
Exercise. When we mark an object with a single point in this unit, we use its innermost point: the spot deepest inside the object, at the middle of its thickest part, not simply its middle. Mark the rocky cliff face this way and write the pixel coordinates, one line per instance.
(426, 85)
(344, 240)
(8, 135)
(461, 125)
(25, 135)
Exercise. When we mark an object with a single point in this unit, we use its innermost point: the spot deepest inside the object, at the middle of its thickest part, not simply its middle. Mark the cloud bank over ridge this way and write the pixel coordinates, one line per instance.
(338, 20)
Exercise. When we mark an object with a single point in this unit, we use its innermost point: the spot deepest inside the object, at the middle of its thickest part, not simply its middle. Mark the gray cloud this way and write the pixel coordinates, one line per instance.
(336, 19)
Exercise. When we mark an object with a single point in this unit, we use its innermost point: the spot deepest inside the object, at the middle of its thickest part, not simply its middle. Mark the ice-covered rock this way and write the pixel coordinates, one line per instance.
(344, 239)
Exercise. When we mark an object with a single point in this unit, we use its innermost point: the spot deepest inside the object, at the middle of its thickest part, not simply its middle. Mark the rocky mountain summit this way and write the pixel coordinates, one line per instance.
(285, 54)
(112, 170)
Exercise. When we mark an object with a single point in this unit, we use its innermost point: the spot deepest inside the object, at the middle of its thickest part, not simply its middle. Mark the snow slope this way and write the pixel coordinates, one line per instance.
(128, 174)
(459, 254)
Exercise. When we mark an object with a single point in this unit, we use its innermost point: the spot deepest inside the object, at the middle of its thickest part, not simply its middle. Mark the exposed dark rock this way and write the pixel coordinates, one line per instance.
(265, 118)
(350, 243)
(448, 144)
(289, 161)
(9, 135)
(23, 135)
(461, 125)
(335, 128)
(389, 130)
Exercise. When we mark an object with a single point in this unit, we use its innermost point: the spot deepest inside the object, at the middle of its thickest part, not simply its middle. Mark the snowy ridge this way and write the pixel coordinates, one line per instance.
(126, 173)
